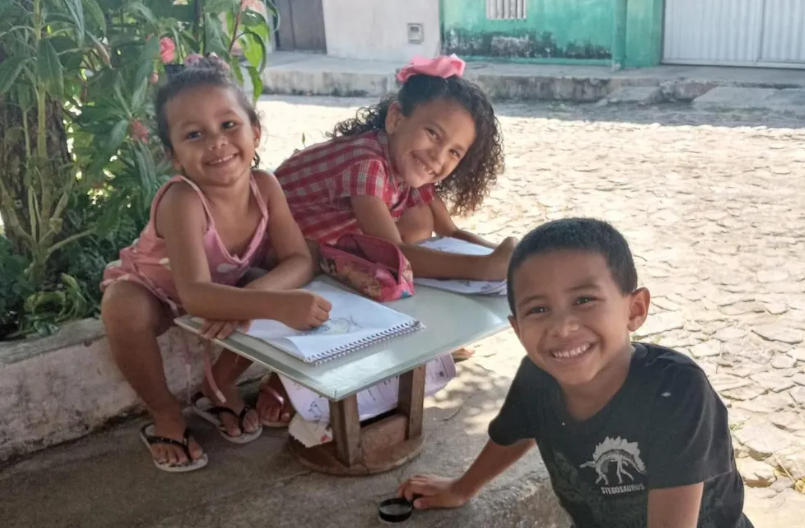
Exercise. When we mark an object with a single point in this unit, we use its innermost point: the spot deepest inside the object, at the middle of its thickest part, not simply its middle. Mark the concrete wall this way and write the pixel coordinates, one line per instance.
(565, 31)
(378, 29)
(63, 387)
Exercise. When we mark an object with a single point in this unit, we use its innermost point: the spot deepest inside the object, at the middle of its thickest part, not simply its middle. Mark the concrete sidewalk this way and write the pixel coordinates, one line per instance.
(311, 74)
(107, 479)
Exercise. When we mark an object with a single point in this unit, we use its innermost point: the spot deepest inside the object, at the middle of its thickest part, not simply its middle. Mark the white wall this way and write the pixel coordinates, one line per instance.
(378, 29)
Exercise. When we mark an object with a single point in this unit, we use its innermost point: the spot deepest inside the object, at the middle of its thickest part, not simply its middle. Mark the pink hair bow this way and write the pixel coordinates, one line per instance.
(443, 67)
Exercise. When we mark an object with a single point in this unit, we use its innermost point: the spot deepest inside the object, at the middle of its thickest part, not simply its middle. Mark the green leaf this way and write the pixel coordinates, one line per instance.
(219, 6)
(150, 50)
(116, 137)
(49, 67)
(257, 82)
(109, 147)
(10, 68)
(252, 19)
(140, 10)
(262, 30)
(119, 98)
(145, 168)
(235, 66)
(92, 8)
(254, 49)
(230, 22)
(76, 10)
(138, 98)
(215, 39)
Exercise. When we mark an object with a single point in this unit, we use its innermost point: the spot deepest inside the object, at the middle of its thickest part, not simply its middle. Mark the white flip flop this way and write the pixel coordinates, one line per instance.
(205, 408)
(149, 439)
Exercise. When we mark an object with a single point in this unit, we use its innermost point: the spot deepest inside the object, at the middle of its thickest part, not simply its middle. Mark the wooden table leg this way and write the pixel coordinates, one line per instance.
(346, 430)
(412, 400)
(378, 446)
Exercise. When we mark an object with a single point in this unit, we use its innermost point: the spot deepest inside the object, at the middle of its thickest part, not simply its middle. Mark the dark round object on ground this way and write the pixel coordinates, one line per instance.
(395, 510)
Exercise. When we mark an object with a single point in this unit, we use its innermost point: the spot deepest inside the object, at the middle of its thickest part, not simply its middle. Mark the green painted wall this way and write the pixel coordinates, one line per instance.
(644, 33)
(555, 30)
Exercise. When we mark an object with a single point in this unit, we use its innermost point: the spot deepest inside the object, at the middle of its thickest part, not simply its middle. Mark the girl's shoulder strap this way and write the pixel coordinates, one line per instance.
(258, 195)
(162, 190)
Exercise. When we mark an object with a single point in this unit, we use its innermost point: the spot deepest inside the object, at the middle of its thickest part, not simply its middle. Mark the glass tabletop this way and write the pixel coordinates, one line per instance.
(450, 321)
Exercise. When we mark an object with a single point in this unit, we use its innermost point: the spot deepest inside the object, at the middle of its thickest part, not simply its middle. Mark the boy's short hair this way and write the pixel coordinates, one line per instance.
(578, 234)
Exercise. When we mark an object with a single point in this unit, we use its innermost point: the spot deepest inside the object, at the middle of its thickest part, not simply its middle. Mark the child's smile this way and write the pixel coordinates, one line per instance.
(571, 354)
(211, 136)
(571, 317)
(428, 145)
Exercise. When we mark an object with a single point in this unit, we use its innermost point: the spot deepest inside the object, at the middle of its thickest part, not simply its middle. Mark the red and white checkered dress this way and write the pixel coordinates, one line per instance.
(319, 181)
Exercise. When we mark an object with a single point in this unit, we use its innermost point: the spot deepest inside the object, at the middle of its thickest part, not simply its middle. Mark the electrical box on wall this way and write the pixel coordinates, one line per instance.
(416, 33)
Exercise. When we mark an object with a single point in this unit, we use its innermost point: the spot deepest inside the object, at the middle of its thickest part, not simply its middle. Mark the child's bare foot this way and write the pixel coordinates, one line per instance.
(172, 425)
(462, 354)
(234, 426)
(273, 405)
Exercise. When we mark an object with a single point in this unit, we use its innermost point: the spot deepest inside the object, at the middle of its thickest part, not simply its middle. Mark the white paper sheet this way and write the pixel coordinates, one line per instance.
(373, 401)
(467, 287)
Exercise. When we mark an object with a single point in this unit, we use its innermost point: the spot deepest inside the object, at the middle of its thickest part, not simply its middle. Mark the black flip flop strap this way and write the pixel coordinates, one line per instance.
(154, 439)
(240, 417)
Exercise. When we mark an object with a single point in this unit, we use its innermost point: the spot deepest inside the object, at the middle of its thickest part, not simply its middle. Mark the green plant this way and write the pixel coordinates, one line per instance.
(79, 162)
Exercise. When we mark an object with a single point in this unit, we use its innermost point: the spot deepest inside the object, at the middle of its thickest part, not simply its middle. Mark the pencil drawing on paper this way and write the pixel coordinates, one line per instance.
(337, 326)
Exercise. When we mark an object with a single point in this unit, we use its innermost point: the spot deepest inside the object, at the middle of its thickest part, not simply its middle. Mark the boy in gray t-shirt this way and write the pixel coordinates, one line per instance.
(632, 434)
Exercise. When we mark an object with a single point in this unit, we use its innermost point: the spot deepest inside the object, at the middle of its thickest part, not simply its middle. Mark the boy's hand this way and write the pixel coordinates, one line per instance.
(221, 329)
(429, 491)
(497, 263)
(303, 310)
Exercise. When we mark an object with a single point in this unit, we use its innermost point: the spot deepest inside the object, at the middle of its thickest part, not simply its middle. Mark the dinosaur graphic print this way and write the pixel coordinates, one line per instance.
(617, 453)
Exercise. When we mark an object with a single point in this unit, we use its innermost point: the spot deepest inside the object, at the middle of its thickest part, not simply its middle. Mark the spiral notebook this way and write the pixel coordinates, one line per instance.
(355, 323)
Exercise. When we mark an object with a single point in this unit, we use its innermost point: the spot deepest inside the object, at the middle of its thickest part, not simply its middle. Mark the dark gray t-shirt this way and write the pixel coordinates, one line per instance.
(666, 427)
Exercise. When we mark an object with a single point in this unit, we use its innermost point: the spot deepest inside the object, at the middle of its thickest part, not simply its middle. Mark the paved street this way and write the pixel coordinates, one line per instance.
(713, 204)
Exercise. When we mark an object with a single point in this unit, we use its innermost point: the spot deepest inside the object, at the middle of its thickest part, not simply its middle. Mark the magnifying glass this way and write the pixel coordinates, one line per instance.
(395, 510)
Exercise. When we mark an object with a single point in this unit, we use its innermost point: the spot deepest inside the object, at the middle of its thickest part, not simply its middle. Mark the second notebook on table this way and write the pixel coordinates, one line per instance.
(467, 287)
(355, 323)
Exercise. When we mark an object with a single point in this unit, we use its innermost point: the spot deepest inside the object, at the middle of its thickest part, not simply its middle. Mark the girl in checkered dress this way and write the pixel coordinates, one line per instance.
(393, 169)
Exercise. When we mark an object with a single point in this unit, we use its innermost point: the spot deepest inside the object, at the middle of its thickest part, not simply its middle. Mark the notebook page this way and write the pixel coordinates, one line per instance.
(467, 287)
(354, 321)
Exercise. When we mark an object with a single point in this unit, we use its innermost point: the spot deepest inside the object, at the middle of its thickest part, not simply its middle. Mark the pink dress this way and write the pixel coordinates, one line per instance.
(146, 260)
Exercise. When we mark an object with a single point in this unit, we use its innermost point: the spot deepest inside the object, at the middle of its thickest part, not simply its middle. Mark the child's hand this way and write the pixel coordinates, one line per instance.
(497, 263)
(303, 310)
(429, 491)
(221, 329)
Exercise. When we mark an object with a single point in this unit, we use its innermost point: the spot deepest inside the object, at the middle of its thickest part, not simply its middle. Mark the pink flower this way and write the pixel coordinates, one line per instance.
(167, 49)
(139, 131)
(154, 78)
(254, 5)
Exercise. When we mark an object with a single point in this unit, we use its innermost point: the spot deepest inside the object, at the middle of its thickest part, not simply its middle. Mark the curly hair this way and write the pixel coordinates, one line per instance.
(476, 174)
(208, 71)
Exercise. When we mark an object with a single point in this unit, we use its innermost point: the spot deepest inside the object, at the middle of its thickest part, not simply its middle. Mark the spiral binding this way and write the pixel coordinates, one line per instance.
(337, 352)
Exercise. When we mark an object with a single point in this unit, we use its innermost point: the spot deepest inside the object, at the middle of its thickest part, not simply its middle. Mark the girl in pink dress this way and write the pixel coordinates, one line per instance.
(209, 226)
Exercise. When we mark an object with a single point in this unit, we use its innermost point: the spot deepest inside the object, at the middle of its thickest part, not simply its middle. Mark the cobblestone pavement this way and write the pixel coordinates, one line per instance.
(713, 205)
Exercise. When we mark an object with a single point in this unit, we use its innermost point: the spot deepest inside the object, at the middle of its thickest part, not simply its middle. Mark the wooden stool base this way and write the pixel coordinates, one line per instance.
(381, 444)
(323, 459)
